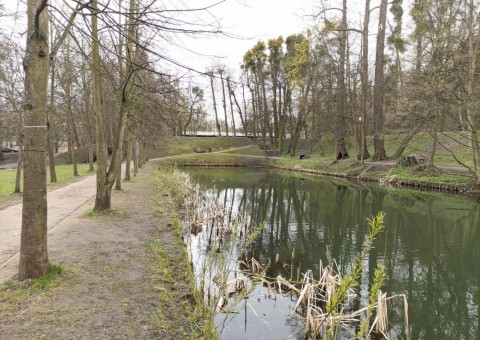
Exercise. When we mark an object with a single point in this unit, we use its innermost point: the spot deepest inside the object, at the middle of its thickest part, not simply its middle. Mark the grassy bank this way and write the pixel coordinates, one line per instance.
(171, 253)
(387, 173)
(446, 176)
(64, 176)
(183, 145)
(449, 143)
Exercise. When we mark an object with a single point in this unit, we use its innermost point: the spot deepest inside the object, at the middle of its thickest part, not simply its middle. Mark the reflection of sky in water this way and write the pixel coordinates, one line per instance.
(430, 247)
(263, 318)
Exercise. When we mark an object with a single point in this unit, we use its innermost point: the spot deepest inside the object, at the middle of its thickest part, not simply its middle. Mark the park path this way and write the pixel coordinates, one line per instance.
(64, 202)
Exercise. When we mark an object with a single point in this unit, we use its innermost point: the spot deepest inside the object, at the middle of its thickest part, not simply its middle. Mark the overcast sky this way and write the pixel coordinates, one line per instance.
(250, 20)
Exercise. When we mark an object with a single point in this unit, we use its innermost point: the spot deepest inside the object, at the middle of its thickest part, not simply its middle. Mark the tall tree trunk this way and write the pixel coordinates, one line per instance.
(280, 131)
(224, 102)
(472, 94)
(340, 127)
(117, 155)
(135, 156)
(246, 125)
(364, 154)
(239, 109)
(287, 98)
(129, 139)
(217, 123)
(275, 108)
(258, 104)
(104, 190)
(51, 126)
(70, 122)
(231, 107)
(304, 110)
(33, 244)
(378, 90)
(18, 174)
(254, 112)
(121, 77)
(302, 116)
(433, 144)
(88, 116)
(266, 123)
(103, 193)
(118, 168)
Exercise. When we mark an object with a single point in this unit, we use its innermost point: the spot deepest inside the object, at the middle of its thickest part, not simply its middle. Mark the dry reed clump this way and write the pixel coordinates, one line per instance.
(217, 236)
(327, 305)
(314, 298)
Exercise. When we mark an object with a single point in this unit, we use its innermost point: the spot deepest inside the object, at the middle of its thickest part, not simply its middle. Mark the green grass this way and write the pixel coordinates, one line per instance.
(216, 159)
(118, 213)
(7, 182)
(91, 214)
(183, 145)
(434, 176)
(64, 176)
(253, 150)
(448, 142)
(46, 281)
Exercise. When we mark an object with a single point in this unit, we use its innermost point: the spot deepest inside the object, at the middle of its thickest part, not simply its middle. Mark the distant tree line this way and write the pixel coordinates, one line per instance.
(325, 84)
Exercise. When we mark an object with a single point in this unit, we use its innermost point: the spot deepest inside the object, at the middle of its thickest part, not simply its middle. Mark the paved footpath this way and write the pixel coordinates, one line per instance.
(62, 203)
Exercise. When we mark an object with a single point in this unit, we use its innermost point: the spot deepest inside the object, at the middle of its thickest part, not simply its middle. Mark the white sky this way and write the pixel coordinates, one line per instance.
(252, 20)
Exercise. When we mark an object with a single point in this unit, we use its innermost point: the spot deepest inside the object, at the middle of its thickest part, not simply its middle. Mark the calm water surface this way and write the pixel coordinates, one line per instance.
(430, 247)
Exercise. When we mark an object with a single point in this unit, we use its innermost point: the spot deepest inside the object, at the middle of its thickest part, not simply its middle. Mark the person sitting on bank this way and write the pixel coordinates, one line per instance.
(302, 154)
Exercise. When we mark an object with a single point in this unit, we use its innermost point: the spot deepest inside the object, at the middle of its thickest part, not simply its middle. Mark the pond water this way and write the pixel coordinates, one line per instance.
(430, 248)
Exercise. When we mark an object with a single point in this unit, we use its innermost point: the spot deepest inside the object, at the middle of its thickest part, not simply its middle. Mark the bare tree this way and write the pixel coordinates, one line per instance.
(33, 246)
(378, 91)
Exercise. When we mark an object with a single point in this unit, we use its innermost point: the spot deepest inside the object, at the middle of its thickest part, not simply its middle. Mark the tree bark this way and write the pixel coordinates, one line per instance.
(340, 127)
(224, 102)
(89, 118)
(33, 245)
(103, 193)
(215, 106)
(135, 156)
(51, 126)
(378, 90)
(18, 174)
(364, 154)
(472, 94)
(433, 145)
(239, 109)
(231, 107)
(70, 121)
(129, 139)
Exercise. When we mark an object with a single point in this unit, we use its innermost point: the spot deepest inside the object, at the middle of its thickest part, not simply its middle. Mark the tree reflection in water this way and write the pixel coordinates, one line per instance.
(430, 246)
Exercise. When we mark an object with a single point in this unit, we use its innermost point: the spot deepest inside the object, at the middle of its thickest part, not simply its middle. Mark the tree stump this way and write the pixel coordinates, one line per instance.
(409, 160)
